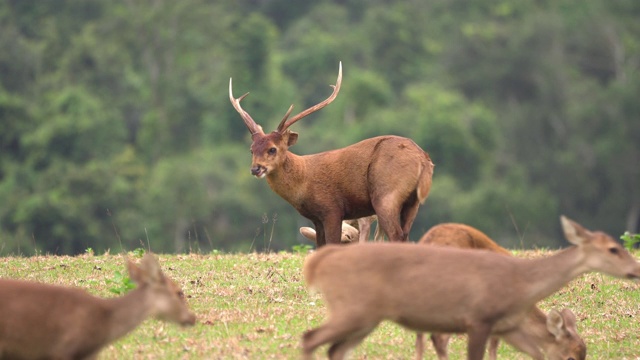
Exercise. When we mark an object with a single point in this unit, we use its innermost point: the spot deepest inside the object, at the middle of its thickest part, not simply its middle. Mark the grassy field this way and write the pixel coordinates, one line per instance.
(255, 306)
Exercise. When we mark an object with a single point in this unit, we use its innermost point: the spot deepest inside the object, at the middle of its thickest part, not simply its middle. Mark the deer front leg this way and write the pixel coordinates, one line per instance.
(332, 233)
(493, 348)
(320, 237)
(477, 342)
(440, 343)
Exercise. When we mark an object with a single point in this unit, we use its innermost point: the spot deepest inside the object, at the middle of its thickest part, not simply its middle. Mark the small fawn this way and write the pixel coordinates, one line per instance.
(447, 290)
(556, 334)
(41, 321)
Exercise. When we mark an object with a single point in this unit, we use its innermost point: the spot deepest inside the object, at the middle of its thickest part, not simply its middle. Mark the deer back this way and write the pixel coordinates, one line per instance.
(352, 177)
(460, 236)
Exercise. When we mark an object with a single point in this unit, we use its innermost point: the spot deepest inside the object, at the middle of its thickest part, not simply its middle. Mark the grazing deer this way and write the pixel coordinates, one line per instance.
(389, 176)
(40, 321)
(447, 290)
(556, 334)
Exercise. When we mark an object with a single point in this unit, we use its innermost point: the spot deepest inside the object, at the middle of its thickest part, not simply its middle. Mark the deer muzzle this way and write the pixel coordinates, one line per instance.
(259, 171)
(188, 320)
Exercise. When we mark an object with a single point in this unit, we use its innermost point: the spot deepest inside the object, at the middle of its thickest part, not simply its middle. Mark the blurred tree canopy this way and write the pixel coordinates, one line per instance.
(116, 129)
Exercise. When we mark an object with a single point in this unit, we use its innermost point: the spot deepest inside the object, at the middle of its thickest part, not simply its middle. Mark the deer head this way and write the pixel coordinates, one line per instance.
(267, 149)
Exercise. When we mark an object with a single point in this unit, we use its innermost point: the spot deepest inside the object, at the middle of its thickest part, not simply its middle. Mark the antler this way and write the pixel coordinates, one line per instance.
(254, 128)
(284, 124)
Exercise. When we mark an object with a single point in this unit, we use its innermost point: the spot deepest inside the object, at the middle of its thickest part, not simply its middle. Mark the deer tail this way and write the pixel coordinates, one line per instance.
(424, 180)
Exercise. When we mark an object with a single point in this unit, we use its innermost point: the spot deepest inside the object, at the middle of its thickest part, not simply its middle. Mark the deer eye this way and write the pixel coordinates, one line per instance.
(614, 250)
(272, 151)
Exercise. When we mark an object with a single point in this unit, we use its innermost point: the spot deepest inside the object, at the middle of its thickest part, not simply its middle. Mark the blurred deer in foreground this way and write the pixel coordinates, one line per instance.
(556, 334)
(448, 290)
(389, 176)
(41, 321)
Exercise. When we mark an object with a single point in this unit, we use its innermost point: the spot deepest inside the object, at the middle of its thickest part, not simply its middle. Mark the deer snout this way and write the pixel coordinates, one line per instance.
(188, 320)
(259, 171)
(633, 276)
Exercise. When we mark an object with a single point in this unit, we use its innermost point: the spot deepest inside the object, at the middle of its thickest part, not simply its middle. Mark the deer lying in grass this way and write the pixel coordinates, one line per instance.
(40, 321)
(363, 225)
(556, 334)
(351, 230)
(387, 175)
(349, 233)
(447, 290)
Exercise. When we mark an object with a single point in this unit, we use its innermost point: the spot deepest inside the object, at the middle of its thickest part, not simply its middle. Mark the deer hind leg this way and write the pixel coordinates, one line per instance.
(340, 350)
(441, 343)
(343, 332)
(408, 215)
(441, 348)
(388, 209)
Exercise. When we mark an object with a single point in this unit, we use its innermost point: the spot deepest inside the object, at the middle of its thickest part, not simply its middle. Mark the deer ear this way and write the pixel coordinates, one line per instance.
(135, 273)
(569, 319)
(555, 323)
(148, 272)
(573, 231)
(292, 138)
(151, 267)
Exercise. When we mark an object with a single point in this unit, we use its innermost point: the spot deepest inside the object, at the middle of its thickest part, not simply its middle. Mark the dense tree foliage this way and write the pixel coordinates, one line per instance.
(116, 129)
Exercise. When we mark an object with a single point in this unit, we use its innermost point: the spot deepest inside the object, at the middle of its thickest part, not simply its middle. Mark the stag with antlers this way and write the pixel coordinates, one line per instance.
(389, 176)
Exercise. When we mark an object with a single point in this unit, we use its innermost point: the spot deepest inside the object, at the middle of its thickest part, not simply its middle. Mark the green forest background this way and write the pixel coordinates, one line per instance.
(116, 128)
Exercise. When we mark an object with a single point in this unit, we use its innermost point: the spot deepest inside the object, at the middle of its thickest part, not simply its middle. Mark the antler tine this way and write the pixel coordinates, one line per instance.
(284, 124)
(254, 128)
(286, 116)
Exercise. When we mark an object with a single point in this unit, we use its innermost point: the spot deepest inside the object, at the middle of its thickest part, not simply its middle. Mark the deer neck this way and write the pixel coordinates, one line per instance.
(289, 180)
(547, 275)
(126, 312)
